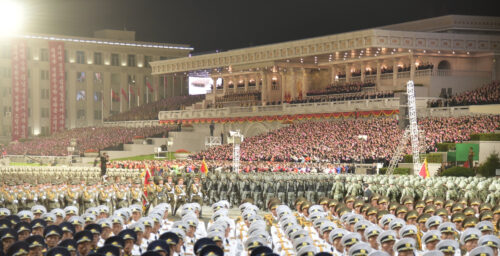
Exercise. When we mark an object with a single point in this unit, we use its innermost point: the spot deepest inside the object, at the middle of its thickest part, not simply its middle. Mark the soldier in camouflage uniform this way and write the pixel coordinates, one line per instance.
(233, 190)
(338, 189)
(291, 188)
(269, 188)
(281, 188)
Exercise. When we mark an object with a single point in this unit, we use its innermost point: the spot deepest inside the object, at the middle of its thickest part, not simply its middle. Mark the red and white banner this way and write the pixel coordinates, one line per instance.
(57, 87)
(19, 90)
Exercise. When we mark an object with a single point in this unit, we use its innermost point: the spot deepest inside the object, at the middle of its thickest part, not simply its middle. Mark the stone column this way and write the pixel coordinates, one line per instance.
(89, 99)
(214, 80)
(347, 73)
(362, 69)
(379, 70)
(412, 67)
(293, 87)
(394, 72)
(225, 85)
(263, 88)
(245, 80)
(282, 81)
(333, 73)
(305, 87)
(235, 83)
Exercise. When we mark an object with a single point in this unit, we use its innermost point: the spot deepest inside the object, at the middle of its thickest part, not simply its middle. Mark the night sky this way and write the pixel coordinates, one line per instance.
(208, 25)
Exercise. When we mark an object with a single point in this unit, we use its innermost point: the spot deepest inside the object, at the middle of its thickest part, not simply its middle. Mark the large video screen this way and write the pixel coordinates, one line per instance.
(199, 85)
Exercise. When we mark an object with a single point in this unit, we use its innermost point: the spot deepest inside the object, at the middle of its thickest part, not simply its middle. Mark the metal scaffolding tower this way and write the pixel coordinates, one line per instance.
(411, 131)
(236, 138)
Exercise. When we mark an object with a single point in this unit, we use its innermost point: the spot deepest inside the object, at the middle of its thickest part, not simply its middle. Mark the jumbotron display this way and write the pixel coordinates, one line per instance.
(200, 85)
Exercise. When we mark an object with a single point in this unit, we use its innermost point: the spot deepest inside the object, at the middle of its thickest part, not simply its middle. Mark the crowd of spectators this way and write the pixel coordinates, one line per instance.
(340, 89)
(239, 96)
(161, 166)
(487, 94)
(345, 97)
(150, 111)
(89, 139)
(337, 141)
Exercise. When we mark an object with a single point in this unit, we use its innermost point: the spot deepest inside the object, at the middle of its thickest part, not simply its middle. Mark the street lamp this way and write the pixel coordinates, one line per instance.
(11, 17)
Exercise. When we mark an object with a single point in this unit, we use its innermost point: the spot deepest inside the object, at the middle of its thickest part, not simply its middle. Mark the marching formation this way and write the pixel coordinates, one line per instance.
(280, 213)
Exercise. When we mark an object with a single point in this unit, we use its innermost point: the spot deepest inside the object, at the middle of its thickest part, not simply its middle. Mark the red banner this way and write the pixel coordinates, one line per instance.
(19, 90)
(57, 87)
(125, 95)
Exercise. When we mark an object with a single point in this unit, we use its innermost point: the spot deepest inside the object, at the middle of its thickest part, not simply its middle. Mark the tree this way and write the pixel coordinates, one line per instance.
(488, 168)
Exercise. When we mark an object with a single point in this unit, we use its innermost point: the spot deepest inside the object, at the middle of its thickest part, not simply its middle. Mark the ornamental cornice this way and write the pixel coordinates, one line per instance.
(372, 38)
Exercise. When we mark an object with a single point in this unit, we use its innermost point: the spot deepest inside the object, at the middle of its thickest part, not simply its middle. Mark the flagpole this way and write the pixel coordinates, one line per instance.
(111, 98)
(129, 96)
(102, 107)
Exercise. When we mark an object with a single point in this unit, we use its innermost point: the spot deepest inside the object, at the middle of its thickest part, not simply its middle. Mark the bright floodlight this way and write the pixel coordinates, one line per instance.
(11, 17)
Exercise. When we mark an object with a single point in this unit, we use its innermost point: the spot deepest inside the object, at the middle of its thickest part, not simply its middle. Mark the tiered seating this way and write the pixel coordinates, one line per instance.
(344, 88)
(344, 97)
(487, 94)
(150, 111)
(89, 139)
(337, 141)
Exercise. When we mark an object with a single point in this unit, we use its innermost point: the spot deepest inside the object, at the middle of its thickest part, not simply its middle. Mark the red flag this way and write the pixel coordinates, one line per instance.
(114, 96)
(131, 91)
(424, 171)
(124, 94)
(147, 175)
(149, 86)
(204, 167)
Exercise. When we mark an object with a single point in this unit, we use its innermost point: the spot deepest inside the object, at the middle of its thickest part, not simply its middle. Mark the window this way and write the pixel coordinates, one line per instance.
(97, 58)
(115, 59)
(147, 60)
(80, 57)
(44, 54)
(45, 130)
(115, 78)
(45, 112)
(44, 75)
(80, 95)
(80, 114)
(163, 58)
(97, 114)
(80, 76)
(97, 96)
(45, 94)
(131, 60)
(98, 77)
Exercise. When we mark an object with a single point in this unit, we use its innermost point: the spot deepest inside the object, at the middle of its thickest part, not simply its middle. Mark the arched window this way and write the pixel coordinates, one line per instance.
(444, 65)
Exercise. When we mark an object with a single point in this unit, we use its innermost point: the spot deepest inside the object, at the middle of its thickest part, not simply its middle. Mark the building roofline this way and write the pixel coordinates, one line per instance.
(108, 42)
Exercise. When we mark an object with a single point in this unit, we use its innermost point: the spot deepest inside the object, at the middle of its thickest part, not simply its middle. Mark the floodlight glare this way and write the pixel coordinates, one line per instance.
(11, 17)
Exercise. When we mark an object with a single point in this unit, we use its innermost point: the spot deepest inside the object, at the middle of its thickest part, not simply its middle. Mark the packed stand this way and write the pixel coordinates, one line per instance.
(487, 94)
(239, 96)
(346, 97)
(303, 214)
(343, 88)
(88, 139)
(337, 141)
(150, 111)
